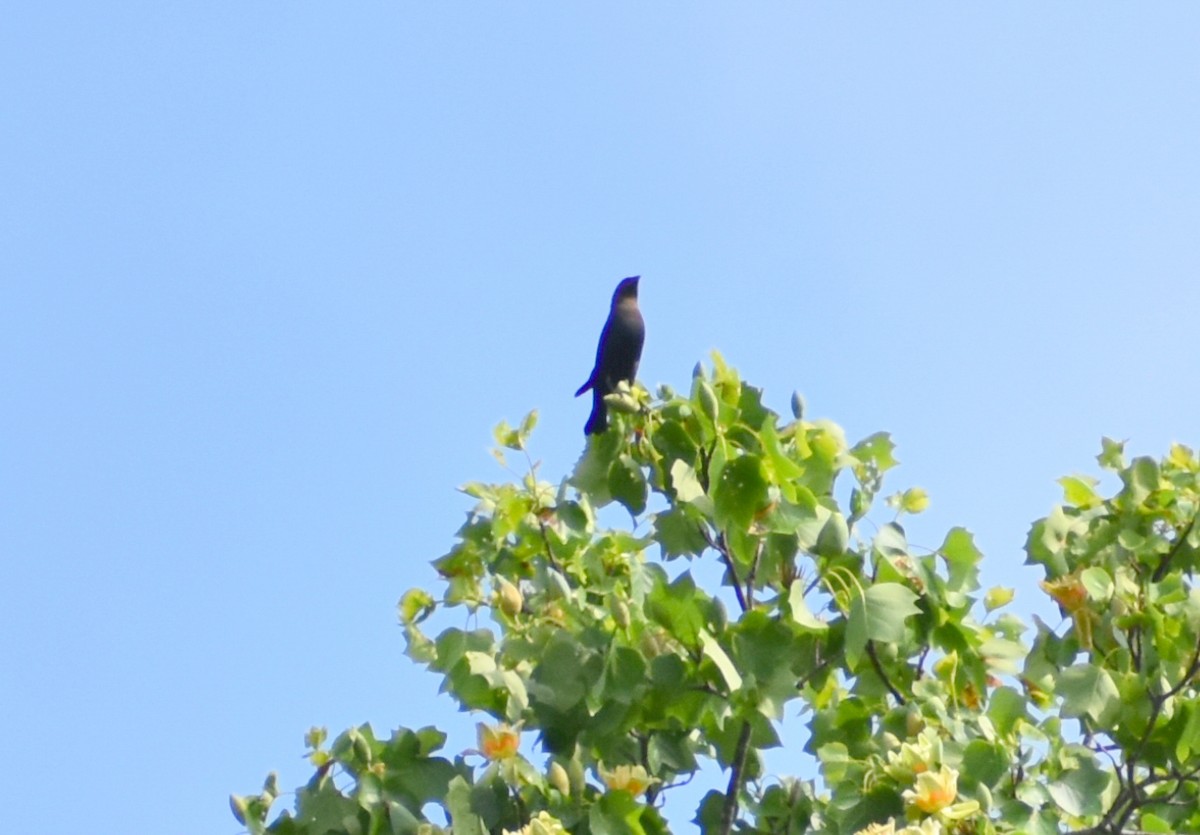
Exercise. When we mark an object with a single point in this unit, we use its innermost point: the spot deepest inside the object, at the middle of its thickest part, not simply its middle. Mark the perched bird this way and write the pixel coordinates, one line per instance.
(617, 354)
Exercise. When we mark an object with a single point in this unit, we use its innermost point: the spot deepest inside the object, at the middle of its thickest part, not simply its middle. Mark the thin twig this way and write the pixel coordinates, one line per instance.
(1193, 668)
(882, 675)
(546, 540)
(921, 662)
(719, 545)
(1170, 555)
(541, 522)
(802, 683)
(753, 571)
(815, 581)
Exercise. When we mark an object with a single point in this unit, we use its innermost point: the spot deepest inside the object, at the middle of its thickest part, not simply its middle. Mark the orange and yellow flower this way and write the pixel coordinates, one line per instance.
(500, 742)
(630, 778)
(543, 823)
(1068, 591)
(933, 790)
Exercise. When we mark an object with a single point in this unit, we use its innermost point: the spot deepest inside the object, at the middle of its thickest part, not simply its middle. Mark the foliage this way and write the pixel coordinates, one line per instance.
(923, 710)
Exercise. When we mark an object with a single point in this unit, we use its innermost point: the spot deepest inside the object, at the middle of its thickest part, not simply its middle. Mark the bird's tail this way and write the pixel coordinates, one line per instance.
(598, 420)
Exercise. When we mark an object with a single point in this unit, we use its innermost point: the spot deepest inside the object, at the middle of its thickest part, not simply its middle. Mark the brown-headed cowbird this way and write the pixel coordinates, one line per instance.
(618, 353)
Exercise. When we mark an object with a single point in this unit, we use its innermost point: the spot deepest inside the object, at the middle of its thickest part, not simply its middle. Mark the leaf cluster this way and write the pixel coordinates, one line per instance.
(922, 708)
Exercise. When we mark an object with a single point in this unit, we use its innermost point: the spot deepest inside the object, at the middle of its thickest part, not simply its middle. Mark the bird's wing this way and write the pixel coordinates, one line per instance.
(593, 379)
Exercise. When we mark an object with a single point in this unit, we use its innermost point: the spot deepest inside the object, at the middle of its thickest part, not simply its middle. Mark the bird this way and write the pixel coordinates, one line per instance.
(618, 353)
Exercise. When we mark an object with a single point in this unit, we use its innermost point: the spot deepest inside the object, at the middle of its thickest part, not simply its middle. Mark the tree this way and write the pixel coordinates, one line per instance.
(923, 710)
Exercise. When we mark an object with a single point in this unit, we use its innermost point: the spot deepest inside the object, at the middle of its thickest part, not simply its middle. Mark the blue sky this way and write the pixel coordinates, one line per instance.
(271, 271)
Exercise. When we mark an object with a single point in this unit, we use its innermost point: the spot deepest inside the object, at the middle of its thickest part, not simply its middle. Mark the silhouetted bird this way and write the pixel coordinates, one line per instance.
(617, 354)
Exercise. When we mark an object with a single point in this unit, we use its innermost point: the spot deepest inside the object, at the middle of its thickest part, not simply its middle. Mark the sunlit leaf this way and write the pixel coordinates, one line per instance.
(1112, 454)
(800, 611)
(1079, 491)
(713, 651)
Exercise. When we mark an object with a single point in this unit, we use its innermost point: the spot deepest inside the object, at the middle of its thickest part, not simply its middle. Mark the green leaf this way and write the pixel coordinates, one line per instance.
(1081, 791)
(984, 763)
(886, 605)
(688, 488)
(783, 469)
(1112, 454)
(751, 411)
(415, 606)
(804, 520)
(558, 679)
(891, 541)
(401, 821)
(801, 614)
(590, 476)
(627, 484)
(1151, 822)
(679, 607)
(740, 491)
(625, 675)
(878, 615)
(1189, 739)
(878, 804)
(708, 812)
(766, 649)
(527, 423)
(1047, 541)
(712, 650)
(877, 449)
(1098, 583)
(1191, 609)
(615, 813)
(678, 531)
(1141, 479)
(675, 752)
(1088, 690)
(672, 439)
(962, 560)
(463, 820)
(835, 760)
(1006, 708)
(997, 597)
(507, 437)
(325, 808)
(1079, 491)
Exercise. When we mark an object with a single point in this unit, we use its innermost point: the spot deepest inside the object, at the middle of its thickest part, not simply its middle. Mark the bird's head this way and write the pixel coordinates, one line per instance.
(627, 289)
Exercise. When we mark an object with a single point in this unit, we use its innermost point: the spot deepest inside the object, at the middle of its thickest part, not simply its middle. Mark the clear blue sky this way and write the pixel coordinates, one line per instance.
(271, 271)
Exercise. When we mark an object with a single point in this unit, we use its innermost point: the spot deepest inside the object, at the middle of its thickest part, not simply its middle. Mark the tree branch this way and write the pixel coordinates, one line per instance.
(1131, 796)
(729, 812)
(644, 749)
